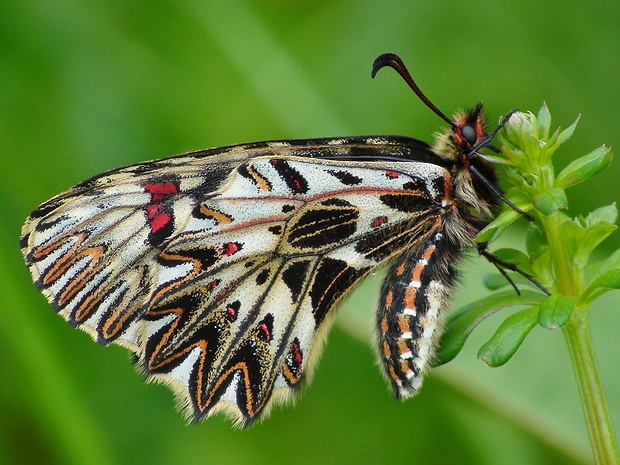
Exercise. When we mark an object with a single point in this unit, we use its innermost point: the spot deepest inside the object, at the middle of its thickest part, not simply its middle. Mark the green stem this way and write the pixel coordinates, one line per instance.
(567, 278)
(600, 429)
(570, 281)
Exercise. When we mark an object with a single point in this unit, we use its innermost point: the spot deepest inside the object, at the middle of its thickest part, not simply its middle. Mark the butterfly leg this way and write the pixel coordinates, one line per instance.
(409, 319)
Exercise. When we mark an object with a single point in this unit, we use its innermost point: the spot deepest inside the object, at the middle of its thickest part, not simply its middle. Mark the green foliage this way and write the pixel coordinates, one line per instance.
(559, 251)
(461, 323)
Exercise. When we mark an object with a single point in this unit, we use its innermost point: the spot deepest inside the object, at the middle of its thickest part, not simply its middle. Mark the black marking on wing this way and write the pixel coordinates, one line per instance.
(332, 221)
(293, 178)
(408, 203)
(332, 279)
(346, 177)
(294, 276)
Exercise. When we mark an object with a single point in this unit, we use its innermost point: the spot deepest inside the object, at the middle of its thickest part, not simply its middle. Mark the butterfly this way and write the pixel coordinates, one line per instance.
(221, 268)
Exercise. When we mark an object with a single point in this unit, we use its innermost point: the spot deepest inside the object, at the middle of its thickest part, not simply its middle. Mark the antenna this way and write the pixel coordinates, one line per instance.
(394, 61)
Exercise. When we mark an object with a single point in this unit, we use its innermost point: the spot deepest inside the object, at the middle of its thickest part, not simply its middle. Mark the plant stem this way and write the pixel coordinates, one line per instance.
(570, 281)
(600, 430)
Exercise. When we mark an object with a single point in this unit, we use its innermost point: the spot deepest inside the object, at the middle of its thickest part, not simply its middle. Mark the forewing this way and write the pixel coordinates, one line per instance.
(92, 250)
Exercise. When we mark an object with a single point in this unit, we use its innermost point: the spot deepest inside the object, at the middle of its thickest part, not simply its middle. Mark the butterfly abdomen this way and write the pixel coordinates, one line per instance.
(410, 313)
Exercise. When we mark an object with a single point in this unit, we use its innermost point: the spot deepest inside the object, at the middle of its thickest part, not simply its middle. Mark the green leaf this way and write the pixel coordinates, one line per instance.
(462, 322)
(549, 202)
(556, 310)
(532, 149)
(510, 151)
(605, 282)
(514, 257)
(510, 255)
(592, 237)
(611, 263)
(517, 195)
(543, 266)
(496, 160)
(607, 215)
(572, 233)
(544, 121)
(508, 337)
(553, 139)
(496, 226)
(560, 137)
(584, 167)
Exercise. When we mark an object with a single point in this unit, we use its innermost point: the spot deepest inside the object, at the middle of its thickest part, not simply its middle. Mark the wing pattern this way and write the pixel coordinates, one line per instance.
(220, 268)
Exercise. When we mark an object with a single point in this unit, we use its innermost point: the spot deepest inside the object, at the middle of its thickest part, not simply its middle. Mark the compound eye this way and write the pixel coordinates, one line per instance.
(469, 134)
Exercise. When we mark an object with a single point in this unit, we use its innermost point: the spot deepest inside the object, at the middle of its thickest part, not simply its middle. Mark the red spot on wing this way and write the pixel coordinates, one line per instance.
(296, 356)
(230, 248)
(232, 310)
(265, 334)
(158, 214)
(159, 221)
(378, 221)
(161, 188)
(392, 174)
(294, 363)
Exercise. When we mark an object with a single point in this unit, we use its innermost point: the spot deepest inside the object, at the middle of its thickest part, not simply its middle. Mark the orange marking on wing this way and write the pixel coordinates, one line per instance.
(119, 315)
(87, 306)
(245, 379)
(196, 269)
(202, 344)
(260, 180)
(289, 375)
(60, 265)
(77, 283)
(219, 217)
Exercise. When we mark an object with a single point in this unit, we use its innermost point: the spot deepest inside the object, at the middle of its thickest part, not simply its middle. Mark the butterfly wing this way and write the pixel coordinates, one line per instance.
(92, 250)
(220, 268)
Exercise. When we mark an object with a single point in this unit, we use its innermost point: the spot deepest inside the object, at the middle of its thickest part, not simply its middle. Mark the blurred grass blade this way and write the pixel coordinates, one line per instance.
(77, 438)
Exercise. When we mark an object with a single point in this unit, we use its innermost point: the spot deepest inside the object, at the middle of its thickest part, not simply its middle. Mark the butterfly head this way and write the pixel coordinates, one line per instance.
(474, 178)
(468, 128)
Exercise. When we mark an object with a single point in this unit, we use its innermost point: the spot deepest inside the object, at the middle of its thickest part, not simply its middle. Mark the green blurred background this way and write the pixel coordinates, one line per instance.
(89, 86)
